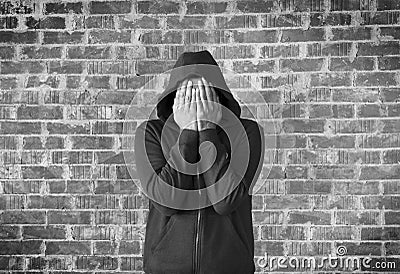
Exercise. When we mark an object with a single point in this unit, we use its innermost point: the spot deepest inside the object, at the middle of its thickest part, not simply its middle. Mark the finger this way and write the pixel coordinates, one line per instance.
(198, 101)
(215, 97)
(188, 89)
(177, 98)
(188, 96)
(193, 99)
(175, 105)
(214, 94)
(203, 98)
(184, 92)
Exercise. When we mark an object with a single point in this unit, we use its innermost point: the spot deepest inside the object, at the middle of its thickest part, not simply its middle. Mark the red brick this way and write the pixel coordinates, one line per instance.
(9, 232)
(343, 111)
(23, 217)
(110, 7)
(62, 37)
(332, 19)
(331, 79)
(39, 112)
(89, 52)
(97, 262)
(332, 142)
(9, 7)
(255, 6)
(46, 23)
(379, 18)
(299, 35)
(280, 51)
(255, 36)
(281, 21)
(63, 8)
(298, 65)
(167, 7)
(339, 5)
(389, 63)
(50, 202)
(352, 33)
(7, 52)
(34, 52)
(108, 36)
(378, 233)
(43, 232)
(92, 142)
(356, 95)
(157, 37)
(68, 248)
(371, 110)
(36, 81)
(379, 172)
(28, 37)
(101, 22)
(12, 67)
(192, 22)
(346, 64)
(376, 79)
(329, 49)
(334, 172)
(250, 67)
(390, 94)
(42, 172)
(206, 8)
(308, 187)
(36, 263)
(359, 249)
(148, 22)
(153, 67)
(237, 21)
(8, 22)
(65, 67)
(391, 33)
(299, 5)
(128, 248)
(387, 5)
(384, 48)
(20, 247)
(296, 125)
(314, 217)
(11, 127)
(269, 247)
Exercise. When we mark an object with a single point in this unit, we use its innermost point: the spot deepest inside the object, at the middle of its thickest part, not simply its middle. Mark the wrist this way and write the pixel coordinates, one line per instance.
(203, 125)
(191, 127)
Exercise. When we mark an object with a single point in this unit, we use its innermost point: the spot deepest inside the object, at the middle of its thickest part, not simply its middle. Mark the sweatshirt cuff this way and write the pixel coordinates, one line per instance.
(188, 145)
(211, 135)
(188, 137)
(221, 157)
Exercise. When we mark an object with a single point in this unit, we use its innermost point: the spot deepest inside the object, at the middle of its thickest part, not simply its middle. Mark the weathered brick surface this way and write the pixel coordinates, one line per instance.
(329, 71)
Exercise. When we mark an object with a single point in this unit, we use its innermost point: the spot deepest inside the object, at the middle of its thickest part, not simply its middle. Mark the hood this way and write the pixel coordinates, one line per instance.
(190, 64)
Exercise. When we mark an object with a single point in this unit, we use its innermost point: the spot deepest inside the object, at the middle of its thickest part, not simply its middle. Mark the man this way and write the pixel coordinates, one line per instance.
(199, 152)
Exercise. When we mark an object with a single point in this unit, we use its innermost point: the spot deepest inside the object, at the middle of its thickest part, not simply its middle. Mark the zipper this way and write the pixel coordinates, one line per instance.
(197, 239)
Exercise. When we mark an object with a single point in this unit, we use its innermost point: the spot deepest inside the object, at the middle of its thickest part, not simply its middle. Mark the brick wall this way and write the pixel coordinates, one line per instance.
(329, 70)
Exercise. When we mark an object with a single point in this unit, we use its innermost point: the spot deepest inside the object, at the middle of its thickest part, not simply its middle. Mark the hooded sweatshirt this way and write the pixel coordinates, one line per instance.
(216, 237)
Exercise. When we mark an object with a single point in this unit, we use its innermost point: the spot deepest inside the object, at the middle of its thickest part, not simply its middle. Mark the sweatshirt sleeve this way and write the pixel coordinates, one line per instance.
(230, 186)
(156, 172)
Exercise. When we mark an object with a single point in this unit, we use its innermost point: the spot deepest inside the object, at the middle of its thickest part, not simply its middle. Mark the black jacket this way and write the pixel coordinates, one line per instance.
(181, 238)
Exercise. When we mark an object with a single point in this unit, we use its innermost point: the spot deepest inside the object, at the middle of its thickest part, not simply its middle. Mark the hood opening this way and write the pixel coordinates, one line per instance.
(196, 64)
